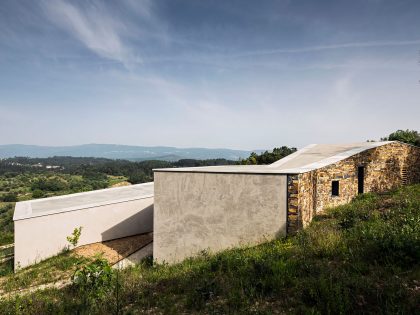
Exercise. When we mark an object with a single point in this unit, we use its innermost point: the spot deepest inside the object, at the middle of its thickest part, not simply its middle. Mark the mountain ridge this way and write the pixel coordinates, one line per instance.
(118, 151)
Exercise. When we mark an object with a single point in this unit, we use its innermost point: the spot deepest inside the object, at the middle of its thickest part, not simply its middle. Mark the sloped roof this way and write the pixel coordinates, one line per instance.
(58, 204)
(315, 156)
(311, 157)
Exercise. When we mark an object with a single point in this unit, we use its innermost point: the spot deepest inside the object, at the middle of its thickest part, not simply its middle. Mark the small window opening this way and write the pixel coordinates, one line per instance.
(335, 188)
(404, 178)
(360, 179)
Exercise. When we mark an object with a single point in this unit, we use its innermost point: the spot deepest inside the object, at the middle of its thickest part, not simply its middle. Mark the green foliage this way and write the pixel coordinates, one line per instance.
(6, 267)
(49, 184)
(6, 224)
(196, 163)
(53, 269)
(94, 281)
(10, 197)
(38, 193)
(268, 157)
(73, 239)
(407, 136)
(137, 177)
(94, 171)
(6, 262)
(362, 257)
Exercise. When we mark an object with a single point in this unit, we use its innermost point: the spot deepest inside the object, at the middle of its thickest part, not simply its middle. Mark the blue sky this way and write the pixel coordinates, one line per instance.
(236, 74)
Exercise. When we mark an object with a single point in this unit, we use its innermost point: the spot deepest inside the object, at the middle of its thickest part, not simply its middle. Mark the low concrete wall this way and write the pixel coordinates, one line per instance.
(210, 211)
(135, 258)
(44, 236)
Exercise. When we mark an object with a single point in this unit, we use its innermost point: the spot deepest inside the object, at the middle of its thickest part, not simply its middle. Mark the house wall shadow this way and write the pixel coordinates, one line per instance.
(139, 223)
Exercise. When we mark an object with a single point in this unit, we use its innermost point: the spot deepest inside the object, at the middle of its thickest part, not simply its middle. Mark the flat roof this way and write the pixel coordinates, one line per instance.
(256, 169)
(304, 160)
(72, 202)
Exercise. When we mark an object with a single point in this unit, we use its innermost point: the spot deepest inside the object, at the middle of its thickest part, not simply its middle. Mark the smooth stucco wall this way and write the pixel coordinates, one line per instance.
(41, 237)
(208, 211)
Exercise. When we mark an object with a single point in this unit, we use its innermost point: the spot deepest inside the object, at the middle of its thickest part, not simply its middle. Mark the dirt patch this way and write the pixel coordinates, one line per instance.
(115, 250)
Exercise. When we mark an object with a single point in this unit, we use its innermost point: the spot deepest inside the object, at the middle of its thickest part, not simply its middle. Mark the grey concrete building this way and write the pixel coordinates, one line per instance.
(218, 207)
(214, 208)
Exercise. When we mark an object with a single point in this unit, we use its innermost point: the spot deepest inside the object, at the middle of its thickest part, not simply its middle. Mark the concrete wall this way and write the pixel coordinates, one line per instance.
(384, 169)
(44, 236)
(210, 211)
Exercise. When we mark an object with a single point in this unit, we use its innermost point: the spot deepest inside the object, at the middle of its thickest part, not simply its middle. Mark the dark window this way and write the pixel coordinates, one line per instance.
(335, 188)
(360, 179)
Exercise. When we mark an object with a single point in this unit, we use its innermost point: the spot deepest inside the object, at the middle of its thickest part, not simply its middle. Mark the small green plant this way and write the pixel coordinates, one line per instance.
(73, 239)
(94, 280)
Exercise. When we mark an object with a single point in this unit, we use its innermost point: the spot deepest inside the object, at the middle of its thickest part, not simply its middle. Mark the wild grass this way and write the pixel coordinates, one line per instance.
(48, 271)
(363, 257)
(6, 223)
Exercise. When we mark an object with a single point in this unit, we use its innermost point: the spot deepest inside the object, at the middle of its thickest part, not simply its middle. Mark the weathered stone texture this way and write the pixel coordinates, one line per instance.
(293, 221)
(386, 167)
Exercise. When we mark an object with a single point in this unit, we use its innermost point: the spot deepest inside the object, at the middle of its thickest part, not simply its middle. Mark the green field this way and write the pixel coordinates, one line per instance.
(363, 257)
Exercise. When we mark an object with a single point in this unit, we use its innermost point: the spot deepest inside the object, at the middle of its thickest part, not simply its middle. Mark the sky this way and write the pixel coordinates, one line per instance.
(232, 74)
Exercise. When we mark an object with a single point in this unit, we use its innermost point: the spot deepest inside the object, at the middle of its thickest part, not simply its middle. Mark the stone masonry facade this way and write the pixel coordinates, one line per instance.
(385, 168)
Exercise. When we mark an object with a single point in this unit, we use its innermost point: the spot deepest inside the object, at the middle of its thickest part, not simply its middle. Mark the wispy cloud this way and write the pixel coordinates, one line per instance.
(329, 47)
(94, 27)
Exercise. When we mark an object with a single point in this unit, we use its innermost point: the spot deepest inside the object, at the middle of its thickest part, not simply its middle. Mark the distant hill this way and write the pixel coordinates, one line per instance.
(114, 151)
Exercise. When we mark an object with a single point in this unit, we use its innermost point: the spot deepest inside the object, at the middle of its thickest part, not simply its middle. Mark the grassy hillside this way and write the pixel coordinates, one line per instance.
(363, 257)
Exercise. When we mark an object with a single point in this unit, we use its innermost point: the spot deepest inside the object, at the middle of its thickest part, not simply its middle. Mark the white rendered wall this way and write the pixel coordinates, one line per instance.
(44, 236)
(214, 211)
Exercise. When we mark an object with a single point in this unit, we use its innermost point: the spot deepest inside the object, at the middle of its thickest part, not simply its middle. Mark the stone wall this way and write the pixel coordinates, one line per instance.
(301, 191)
(293, 218)
(386, 167)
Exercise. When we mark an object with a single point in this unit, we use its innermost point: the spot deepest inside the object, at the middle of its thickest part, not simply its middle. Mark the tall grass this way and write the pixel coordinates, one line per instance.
(358, 258)
(6, 223)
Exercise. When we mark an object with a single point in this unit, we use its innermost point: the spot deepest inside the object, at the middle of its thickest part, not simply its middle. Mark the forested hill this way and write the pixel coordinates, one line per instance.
(113, 151)
(91, 167)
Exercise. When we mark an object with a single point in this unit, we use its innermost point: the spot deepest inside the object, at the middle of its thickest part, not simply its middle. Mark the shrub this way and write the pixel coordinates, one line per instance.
(50, 184)
(10, 197)
(407, 136)
(73, 239)
(137, 177)
(94, 281)
(37, 193)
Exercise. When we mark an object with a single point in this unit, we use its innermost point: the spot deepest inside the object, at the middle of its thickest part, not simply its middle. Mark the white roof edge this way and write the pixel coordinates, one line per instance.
(336, 158)
(22, 215)
(291, 156)
(208, 169)
(23, 209)
(87, 192)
